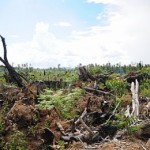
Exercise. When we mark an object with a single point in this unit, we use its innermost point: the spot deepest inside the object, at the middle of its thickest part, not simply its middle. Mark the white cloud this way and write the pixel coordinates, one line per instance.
(41, 27)
(14, 36)
(45, 50)
(128, 23)
(124, 38)
(106, 1)
(63, 24)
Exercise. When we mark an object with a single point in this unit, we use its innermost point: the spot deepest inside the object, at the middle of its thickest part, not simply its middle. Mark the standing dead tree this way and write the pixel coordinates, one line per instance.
(15, 77)
(135, 98)
(135, 101)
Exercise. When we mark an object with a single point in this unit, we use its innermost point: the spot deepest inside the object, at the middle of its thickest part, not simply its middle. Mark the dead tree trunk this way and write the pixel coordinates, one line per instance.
(135, 98)
(16, 77)
(84, 75)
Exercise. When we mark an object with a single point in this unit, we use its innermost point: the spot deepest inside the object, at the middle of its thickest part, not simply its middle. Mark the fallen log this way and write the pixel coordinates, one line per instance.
(99, 92)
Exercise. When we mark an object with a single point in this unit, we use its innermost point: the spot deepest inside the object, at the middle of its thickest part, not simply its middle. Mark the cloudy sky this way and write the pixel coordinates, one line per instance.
(45, 33)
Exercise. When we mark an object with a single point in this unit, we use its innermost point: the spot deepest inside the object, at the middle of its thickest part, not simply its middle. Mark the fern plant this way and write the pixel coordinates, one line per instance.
(64, 100)
(117, 86)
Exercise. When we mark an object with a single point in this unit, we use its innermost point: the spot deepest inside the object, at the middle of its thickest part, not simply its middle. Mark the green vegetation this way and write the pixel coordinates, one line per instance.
(118, 87)
(95, 69)
(2, 128)
(32, 130)
(124, 122)
(17, 141)
(145, 92)
(68, 75)
(133, 129)
(61, 144)
(64, 100)
(2, 79)
(145, 85)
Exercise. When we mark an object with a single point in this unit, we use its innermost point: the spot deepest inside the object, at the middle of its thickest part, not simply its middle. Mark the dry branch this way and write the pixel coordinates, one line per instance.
(86, 127)
(82, 115)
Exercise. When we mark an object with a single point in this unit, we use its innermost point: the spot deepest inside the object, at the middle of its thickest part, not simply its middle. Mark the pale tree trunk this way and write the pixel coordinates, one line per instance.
(135, 98)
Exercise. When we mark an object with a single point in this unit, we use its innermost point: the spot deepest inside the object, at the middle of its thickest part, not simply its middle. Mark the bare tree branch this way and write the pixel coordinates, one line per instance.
(5, 49)
(16, 78)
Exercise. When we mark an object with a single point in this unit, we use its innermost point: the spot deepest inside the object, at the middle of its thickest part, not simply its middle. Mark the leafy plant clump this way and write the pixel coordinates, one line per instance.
(127, 123)
(17, 141)
(2, 128)
(62, 99)
(118, 87)
(145, 88)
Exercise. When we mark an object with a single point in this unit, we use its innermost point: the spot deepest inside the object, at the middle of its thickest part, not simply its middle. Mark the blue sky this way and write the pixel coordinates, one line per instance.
(46, 33)
(19, 17)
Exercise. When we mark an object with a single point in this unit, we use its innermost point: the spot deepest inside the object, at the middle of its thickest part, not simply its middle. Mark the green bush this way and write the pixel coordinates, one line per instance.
(145, 92)
(133, 129)
(2, 128)
(17, 141)
(117, 86)
(2, 79)
(145, 88)
(124, 122)
(95, 69)
(64, 100)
